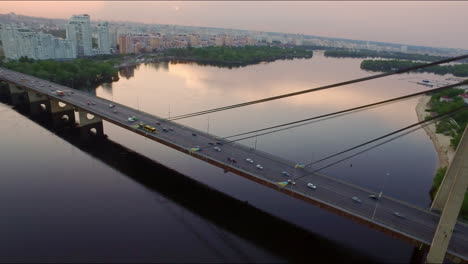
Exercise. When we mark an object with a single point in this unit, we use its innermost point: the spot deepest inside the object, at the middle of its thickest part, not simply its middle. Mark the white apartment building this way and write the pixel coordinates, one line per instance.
(22, 42)
(104, 43)
(79, 32)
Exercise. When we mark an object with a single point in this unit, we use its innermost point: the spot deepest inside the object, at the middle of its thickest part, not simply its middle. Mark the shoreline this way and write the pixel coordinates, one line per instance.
(441, 142)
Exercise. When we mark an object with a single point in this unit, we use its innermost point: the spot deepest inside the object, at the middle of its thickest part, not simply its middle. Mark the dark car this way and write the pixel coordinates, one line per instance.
(193, 134)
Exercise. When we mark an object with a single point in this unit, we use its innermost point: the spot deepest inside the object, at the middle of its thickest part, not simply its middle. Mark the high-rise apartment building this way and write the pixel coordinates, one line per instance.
(103, 38)
(79, 32)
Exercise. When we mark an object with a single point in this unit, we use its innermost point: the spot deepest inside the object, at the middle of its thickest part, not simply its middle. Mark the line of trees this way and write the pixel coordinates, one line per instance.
(459, 70)
(380, 54)
(75, 73)
(237, 56)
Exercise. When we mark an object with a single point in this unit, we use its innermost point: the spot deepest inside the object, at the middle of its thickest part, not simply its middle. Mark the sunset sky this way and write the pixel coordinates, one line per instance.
(428, 23)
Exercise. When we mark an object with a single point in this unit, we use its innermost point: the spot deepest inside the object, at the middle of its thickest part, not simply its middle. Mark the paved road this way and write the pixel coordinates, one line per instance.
(417, 223)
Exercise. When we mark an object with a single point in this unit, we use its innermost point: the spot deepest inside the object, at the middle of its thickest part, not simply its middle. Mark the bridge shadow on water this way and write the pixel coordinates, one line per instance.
(280, 238)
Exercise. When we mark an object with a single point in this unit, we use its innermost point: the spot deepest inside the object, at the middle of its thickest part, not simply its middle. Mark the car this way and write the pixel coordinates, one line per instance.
(249, 160)
(111, 106)
(88, 103)
(260, 167)
(132, 119)
(231, 160)
(217, 149)
(399, 215)
(211, 143)
(357, 200)
(157, 123)
(373, 197)
(93, 103)
(193, 134)
(285, 173)
(50, 85)
(115, 111)
(218, 143)
(165, 129)
(292, 182)
(196, 148)
(171, 129)
(311, 185)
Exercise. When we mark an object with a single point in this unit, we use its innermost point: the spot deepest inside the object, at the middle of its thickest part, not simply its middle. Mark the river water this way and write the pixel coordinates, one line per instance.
(60, 201)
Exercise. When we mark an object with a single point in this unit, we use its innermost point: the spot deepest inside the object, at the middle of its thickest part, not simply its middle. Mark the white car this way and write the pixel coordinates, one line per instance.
(312, 186)
(217, 149)
(285, 173)
(292, 182)
(357, 200)
(249, 160)
(260, 167)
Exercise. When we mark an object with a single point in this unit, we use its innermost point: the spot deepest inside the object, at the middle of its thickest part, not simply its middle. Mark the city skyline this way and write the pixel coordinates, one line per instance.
(331, 19)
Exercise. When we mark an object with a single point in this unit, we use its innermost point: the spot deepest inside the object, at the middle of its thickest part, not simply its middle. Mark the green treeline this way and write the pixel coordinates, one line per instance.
(459, 70)
(238, 55)
(76, 73)
(380, 54)
(455, 125)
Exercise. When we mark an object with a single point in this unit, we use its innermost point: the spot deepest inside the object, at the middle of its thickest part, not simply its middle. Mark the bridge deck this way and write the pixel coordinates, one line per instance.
(417, 226)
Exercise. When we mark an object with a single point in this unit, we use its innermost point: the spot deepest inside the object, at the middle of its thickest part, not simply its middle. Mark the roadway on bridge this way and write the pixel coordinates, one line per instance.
(417, 223)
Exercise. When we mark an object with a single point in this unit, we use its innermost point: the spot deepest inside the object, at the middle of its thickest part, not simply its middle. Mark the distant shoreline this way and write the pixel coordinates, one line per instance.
(441, 142)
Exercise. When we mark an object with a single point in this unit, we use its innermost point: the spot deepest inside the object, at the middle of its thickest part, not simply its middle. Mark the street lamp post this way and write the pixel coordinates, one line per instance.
(380, 195)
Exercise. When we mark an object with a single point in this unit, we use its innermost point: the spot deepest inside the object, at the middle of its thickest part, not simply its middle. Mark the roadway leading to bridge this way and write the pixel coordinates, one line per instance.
(418, 224)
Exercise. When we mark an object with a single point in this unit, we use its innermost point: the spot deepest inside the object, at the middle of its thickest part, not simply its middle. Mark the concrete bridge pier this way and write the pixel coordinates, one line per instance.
(61, 113)
(38, 103)
(4, 90)
(90, 125)
(18, 95)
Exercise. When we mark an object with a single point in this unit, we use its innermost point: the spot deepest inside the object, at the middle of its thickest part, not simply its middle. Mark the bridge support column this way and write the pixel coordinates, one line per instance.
(90, 126)
(450, 198)
(18, 94)
(4, 90)
(35, 102)
(61, 113)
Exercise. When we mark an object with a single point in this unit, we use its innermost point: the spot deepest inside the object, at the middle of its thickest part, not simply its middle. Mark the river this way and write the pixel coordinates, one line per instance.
(62, 202)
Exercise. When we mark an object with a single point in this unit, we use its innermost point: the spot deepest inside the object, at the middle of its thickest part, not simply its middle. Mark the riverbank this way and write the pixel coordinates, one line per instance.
(441, 142)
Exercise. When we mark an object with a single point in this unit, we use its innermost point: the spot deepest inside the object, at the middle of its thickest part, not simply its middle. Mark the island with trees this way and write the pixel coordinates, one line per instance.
(347, 53)
(236, 56)
(458, 70)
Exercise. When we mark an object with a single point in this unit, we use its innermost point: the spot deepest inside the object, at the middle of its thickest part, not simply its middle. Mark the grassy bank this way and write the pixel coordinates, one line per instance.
(453, 127)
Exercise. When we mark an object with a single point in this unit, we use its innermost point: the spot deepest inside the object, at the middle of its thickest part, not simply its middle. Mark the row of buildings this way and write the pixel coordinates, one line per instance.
(139, 43)
(20, 42)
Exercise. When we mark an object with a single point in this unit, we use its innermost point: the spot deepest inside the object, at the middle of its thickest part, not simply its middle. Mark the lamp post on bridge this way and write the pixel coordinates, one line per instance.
(380, 194)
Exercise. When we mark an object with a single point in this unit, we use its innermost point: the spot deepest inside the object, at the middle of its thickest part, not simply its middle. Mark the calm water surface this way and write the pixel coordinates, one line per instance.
(58, 201)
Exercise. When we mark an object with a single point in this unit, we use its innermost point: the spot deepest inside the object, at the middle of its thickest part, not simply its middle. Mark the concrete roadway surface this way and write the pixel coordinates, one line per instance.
(412, 222)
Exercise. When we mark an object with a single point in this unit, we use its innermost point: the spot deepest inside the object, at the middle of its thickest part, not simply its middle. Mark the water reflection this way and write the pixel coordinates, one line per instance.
(176, 193)
(185, 88)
